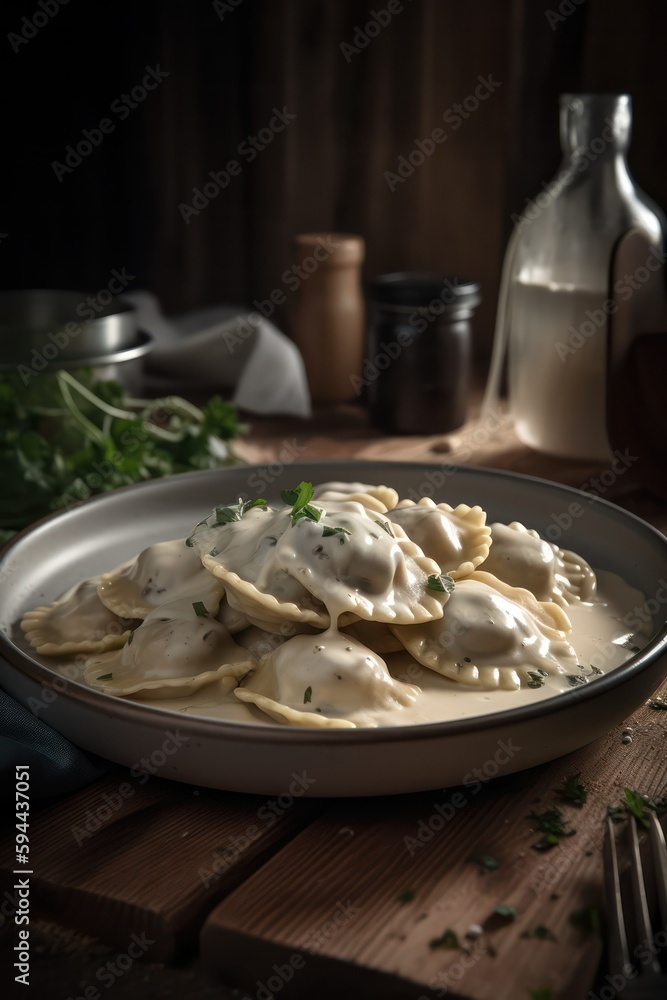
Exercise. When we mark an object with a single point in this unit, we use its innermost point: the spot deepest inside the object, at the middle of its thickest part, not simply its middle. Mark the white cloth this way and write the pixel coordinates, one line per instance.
(224, 349)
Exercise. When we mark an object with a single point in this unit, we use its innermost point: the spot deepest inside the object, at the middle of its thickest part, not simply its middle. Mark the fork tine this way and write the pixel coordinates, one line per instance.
(642, 920)
(619, 957)
(659, 854)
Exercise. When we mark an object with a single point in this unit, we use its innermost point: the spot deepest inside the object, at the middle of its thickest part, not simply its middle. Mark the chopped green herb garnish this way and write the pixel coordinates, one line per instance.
(658, 704)
(486, 861)
(573, 790)
(105, 677)
(130, 639)
(309, 512)
(503, 910)
(307, 695)
(300, 499)
(225, 515)
(440, 582)
(328, 530)
(586, 919)
(200, 609)
(635, 805)
(448, 939)
(541, 933)
(386, 526)
(536, 680)
(553, 825)
(406, 896)
(629, 645)
(575, 680)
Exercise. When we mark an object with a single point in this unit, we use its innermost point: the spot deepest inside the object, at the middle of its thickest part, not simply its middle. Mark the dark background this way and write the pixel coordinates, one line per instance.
(229, 69)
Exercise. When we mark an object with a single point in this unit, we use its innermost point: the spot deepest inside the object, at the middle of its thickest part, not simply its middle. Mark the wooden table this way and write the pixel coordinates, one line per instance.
(176, 890)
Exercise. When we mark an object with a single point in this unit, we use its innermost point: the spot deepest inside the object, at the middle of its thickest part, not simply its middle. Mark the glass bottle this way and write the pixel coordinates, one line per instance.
(555, 296)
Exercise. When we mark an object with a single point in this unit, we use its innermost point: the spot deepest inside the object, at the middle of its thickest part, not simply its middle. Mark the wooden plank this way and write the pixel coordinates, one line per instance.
(355, 900)
(130, 855)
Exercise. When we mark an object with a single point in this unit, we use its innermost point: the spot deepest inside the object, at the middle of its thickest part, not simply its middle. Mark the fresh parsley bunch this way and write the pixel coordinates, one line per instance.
(65, 436)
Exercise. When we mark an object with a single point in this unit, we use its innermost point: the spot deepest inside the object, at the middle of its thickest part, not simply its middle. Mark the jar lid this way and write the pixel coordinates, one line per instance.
(412, 289)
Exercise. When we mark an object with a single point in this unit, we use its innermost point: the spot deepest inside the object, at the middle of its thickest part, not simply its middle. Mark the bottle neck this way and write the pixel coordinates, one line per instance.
(595, 132)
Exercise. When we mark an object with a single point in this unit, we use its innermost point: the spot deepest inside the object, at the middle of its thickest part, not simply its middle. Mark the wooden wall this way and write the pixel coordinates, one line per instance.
(355, 116)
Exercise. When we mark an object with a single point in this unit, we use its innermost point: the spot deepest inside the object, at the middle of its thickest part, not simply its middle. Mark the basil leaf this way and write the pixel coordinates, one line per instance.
(200, 609)
(307, 695)
(442, 583)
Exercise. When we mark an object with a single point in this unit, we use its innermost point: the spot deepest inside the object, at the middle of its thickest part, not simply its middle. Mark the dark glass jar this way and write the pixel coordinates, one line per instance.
(417, 368)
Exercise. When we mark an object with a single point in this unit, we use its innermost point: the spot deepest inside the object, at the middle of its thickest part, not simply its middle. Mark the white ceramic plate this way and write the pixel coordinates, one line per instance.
(268, 758)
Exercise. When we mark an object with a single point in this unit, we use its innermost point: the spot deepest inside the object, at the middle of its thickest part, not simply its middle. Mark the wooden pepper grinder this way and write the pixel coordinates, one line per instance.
(328, 315)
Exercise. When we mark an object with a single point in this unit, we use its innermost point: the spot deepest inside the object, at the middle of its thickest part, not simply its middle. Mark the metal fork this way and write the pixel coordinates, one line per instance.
(638, 977)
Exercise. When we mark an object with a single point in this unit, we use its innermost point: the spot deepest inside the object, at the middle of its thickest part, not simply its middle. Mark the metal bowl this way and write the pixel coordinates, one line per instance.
(42, 331)
(57, 327)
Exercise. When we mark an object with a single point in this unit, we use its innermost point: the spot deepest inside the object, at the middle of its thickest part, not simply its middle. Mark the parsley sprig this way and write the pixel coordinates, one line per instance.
(301, 506)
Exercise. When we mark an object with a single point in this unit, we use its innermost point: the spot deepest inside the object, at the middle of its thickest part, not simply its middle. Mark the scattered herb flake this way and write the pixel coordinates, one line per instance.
(553, 825)
(105, 677)
(635, 805)
(226, 515)
(573, 790)
(448, 939)
(300, 499)
(386, 526)
(130, 639)
(406, 896)
(328, 530)
(505, 911)
(536, 679)
(309, 512)
(307, 695)
(658, 704)
(574, 680)
(486, 861)
(200, 609)
(541, 933)
(543, 993)
(440, 582)
(587, 919)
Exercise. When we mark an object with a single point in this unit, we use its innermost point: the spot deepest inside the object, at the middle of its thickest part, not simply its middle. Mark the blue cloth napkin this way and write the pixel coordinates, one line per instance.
(57, 767)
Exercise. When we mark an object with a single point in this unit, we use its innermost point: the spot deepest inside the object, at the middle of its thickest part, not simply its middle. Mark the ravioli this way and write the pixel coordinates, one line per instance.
(521, 558)
(355, 561)
(457, 538)
(493, 636)
(163, 572)
(174, 652)
(76, 623)
(329, 680)
(242, 555)
(378, 498)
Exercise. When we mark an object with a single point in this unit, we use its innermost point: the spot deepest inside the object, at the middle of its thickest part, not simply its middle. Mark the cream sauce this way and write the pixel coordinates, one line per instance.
(599, 637)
